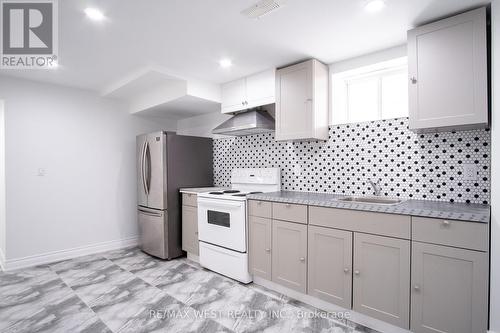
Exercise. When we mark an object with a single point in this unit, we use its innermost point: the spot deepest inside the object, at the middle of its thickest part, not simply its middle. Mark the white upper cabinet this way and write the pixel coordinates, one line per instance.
(448, 73)
(302, 102)
(234, 95)
(248, 92)
(261, 88)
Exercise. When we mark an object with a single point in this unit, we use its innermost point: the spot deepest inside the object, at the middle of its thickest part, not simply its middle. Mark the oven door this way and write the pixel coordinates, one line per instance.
(222, 223)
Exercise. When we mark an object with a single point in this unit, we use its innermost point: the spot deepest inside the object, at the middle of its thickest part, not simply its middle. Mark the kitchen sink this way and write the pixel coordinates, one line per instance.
(372, 200)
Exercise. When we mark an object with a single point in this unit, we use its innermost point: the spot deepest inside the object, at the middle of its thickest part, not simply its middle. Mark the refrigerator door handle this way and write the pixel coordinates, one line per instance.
(143, 166)
(150, 213)
(147, 155)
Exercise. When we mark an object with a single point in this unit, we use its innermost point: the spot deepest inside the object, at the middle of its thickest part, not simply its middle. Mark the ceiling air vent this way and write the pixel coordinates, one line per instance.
(262, 8)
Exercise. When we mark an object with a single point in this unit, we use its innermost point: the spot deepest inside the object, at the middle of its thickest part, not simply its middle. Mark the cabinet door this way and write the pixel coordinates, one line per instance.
(447, 64)
(289, 255)
(234, 96)
(294, 103)
(450, 290)
(330, 265)
(381, 281)
(261, 88)
(260, 246)
(190, 229)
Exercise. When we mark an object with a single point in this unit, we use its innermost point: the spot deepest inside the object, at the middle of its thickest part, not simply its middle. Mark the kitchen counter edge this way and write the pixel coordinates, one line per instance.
(421, 208)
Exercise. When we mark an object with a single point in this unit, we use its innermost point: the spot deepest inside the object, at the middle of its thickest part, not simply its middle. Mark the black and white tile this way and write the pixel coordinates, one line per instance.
(129, 291)
(416, 166)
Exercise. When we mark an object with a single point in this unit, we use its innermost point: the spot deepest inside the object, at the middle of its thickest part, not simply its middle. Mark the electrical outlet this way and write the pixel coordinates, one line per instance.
(470, 172)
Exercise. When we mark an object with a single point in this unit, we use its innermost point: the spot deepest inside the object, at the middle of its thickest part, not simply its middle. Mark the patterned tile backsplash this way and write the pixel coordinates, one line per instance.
(417, 166)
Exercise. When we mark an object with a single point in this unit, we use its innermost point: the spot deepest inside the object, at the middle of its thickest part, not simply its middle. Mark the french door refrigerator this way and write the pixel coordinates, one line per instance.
(165, 163)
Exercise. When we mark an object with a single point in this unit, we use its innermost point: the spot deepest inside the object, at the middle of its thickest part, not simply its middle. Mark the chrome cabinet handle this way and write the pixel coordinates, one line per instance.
(446, 223)
(288, 205)
(356, 272)
(416, 287)
(268, 250)
(302, 259)
(346, 270)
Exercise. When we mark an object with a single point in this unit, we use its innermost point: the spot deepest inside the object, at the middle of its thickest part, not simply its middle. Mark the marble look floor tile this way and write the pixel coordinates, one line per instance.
(124, 300)
(94, 272)
(69, 314)
(38, 301)
(166, 314)
(220, 294)
(116, 292)
(75, 264)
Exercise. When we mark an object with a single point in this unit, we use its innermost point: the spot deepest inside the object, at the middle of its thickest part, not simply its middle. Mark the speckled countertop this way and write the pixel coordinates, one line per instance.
(196, 190)
(424, 208)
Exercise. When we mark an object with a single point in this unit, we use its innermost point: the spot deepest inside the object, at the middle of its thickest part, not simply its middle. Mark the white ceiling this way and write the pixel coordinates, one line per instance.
(190, 36)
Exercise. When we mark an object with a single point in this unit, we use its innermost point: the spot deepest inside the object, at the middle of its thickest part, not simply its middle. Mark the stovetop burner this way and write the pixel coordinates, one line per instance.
(231, 191)
(217, 193)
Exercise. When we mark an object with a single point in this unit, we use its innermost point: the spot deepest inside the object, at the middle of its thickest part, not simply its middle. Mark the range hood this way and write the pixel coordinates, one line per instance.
(246, 123)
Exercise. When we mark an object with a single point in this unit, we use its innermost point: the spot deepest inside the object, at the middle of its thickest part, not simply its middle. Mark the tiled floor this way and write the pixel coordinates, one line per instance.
(129, 291)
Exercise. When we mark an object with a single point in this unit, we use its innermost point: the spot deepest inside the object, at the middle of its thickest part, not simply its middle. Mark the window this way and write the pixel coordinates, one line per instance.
(374, 92)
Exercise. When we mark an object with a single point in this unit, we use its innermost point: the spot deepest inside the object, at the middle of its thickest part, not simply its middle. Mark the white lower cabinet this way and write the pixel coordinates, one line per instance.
(425, 275)
(190, 229)
(259, 247)
(289, 265)
(330, 265)
(449, 290)
(381, 283)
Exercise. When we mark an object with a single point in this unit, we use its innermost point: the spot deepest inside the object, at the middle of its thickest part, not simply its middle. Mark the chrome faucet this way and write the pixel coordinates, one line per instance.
(376, 187)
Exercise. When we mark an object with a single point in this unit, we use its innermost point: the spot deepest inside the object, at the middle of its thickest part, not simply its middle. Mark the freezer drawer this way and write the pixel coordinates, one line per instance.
(152, 231)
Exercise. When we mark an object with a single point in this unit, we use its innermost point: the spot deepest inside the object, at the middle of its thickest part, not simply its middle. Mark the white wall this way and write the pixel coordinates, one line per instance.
(86, 144)
(201, 125)
(368, 59)
(2, 185)
(495, 171)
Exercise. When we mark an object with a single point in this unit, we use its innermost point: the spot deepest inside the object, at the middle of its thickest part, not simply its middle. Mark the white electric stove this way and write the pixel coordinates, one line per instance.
(222, 221)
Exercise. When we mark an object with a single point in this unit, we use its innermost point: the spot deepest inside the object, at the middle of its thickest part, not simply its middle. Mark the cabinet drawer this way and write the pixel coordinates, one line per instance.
(373, 223)
(190, 199)
(462, 234)
(290, 212)
(259, 208)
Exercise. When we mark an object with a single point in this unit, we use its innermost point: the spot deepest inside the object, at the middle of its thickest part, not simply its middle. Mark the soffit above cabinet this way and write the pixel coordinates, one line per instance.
(156, 92)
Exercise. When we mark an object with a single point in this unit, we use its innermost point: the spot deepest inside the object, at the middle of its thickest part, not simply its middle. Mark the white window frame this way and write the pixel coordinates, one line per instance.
(340, 87)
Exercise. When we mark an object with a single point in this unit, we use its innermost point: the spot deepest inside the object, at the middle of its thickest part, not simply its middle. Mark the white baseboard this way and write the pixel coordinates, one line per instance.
(50, 257)
(320, 304)
(2, 260)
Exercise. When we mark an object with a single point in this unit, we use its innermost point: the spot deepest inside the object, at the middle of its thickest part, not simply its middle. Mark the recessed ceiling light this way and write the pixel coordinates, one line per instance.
(375, 5)
(225, 63)
(94, 14)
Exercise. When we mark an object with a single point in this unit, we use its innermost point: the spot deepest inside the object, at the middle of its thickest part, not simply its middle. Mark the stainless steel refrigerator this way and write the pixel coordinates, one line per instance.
(165, 163)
